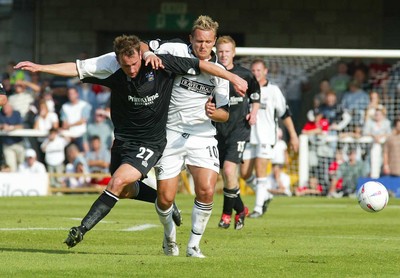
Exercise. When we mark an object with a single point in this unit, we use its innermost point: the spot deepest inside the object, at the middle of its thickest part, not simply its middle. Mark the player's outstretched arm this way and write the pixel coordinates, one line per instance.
(238, 83)
(62, 69)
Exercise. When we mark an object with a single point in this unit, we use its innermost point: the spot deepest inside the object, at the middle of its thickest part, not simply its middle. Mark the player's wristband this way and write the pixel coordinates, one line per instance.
(148, 54)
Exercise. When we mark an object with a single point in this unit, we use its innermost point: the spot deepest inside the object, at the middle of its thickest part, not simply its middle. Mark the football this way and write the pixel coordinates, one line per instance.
(372, 196)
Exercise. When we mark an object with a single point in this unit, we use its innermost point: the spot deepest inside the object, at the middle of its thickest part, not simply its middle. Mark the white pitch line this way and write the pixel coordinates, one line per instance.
(140, 228)
(130, 229)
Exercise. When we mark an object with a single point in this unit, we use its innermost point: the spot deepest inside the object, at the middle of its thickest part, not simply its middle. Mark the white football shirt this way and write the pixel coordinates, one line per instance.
(190, 93)
(272, 105)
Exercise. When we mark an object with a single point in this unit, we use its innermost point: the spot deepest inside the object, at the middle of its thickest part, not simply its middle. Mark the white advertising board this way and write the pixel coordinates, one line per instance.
(23, 184)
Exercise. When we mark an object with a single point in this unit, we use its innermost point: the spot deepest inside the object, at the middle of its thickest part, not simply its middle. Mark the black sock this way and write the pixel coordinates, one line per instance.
(239, 206)
(229, 200)
(100, 208)
(146, 193)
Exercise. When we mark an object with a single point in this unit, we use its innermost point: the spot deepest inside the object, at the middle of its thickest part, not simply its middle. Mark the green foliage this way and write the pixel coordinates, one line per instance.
(298, 237)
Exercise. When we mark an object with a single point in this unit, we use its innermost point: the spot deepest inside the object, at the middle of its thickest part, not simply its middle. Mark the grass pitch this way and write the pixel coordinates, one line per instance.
(298, 237)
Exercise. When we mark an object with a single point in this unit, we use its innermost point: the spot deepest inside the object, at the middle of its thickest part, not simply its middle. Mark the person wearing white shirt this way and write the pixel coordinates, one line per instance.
(31, 165)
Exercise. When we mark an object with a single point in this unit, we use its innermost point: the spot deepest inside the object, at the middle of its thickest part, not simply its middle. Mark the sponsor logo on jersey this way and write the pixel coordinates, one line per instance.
(147, 100)
(235, 100)
(196, 87)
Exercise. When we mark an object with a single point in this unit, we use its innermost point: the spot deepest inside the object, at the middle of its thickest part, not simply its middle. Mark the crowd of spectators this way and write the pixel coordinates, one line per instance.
(74, 131)
(353, 114)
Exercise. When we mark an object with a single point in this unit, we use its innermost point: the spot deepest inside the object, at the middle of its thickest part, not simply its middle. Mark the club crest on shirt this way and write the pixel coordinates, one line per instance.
(149, 76)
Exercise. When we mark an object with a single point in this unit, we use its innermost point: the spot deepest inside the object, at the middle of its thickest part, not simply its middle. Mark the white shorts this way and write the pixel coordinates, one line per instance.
(185, 149)
(258, 150)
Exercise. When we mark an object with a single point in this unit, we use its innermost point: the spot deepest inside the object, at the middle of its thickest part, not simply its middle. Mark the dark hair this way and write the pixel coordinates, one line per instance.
(94, 137)
(126, 45)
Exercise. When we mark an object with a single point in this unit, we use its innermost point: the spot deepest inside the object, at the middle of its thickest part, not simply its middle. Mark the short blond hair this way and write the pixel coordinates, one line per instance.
(226, 39)
(206, 23)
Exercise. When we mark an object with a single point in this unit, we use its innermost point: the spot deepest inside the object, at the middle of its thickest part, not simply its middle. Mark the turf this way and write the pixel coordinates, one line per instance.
(298, 237)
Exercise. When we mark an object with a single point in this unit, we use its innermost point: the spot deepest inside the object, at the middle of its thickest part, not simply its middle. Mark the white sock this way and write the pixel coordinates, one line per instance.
(251, 182)
(261, 194)
(165, 217)
(200, 215)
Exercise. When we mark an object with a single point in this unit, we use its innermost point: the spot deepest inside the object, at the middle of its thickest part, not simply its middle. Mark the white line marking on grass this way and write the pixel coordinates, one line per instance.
(140, 228)
(33, 229)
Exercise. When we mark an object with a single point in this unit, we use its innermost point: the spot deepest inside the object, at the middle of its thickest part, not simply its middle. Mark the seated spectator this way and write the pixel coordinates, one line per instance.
(74, 116)
(13, 147)
(316, 124)
(349, 171)
(101, 127)
(314, 188)
(355, 64)
(340, 81)
(76, 165)
(53, 148)
(362, 78)
(98, 160)
(31, 165)
(391, 152)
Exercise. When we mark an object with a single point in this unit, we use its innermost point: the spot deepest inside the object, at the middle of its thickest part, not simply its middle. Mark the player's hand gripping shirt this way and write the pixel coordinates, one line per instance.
(190, 93)
(272, 105)
(139, 105)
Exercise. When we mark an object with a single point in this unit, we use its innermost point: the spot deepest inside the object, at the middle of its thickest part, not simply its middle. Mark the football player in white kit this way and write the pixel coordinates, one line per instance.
(264, 136)
(195, 103)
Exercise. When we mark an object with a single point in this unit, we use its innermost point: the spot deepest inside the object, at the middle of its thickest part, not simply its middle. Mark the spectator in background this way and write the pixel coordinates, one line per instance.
(280, 152)
(53, 148)
(21, 100)
(31, 165)
(76, 165)
(379, 129)
(356, 102)
(362, 78)
(13, 147)
(45, 120)
(349, 171)
(101, 127)
(314, 188)
(355, 64)
(378, 72)
(85, 91)
(98, 158)
(324, 88)
(15, 75)
(316, 124)
(277, 76)
(337, 117)
(374, 103)
(391, 152)
(340, 81)
(74, 115)
(333, 168)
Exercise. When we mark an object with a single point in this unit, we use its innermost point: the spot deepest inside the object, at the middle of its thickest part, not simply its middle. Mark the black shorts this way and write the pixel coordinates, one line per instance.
(140, 156)
(230, 150)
